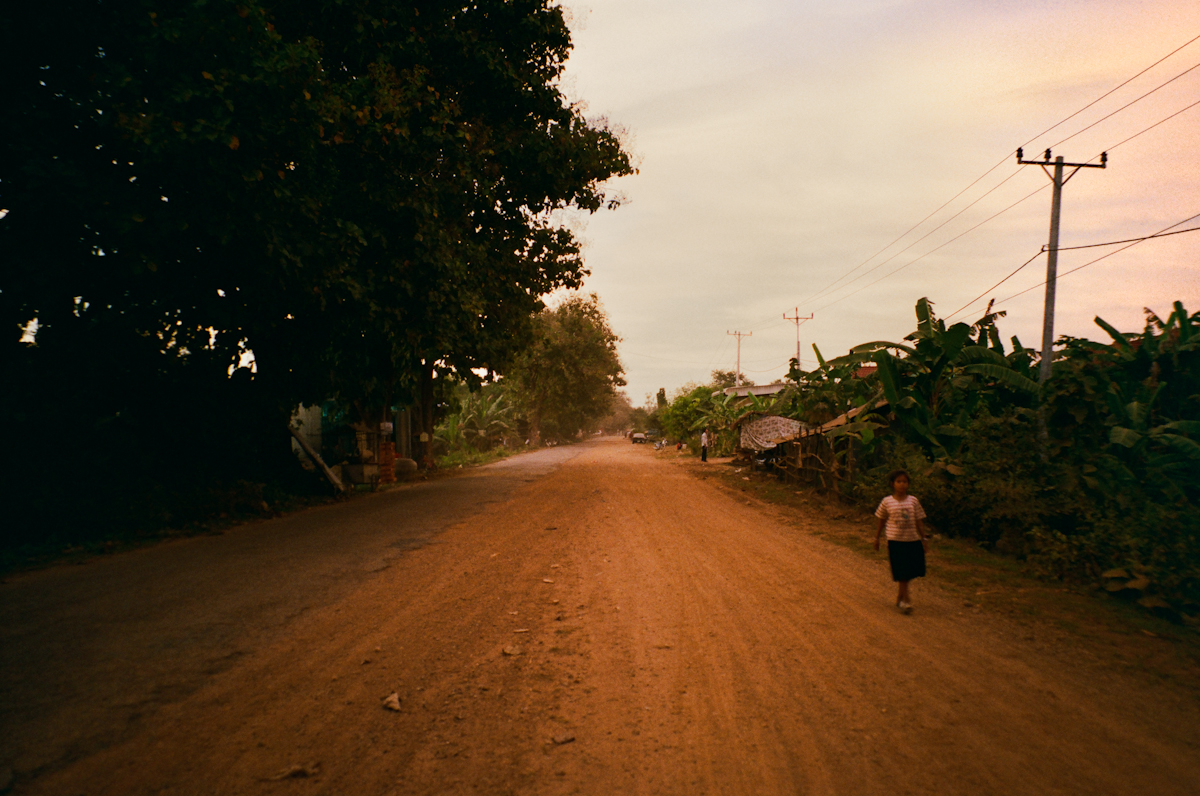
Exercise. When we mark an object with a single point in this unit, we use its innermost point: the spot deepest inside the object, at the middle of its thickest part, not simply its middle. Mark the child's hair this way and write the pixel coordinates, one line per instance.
(894, 474)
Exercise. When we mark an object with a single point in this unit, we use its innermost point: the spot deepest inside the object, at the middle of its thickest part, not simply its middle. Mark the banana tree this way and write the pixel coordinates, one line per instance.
(937, 380)
(486, 418)
(720, 414)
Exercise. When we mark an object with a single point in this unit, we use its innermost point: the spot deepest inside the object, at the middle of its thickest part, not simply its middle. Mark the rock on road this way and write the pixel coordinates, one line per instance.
(608, 623)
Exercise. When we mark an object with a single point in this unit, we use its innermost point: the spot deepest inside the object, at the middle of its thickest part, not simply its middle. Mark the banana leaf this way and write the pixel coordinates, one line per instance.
(1124, 436)
(1004, 375)
(1118, 339)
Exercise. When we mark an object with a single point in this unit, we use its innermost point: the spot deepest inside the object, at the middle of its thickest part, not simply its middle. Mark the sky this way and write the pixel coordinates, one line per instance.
(784, 150)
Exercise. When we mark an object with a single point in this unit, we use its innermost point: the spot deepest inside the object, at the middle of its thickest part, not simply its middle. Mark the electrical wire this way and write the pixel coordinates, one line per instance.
(825, 290)
(668, 359)
(931, 251)
(1156, 124)
(1109, 92)
(1126, 105)
(998, 284)
(768, 370)
(1136, 241)
(930, 232)
(1130, 241)
(840, 281)
(828, 288)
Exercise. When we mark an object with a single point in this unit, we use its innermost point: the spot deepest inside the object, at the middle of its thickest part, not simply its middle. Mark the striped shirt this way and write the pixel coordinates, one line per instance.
(901, 516)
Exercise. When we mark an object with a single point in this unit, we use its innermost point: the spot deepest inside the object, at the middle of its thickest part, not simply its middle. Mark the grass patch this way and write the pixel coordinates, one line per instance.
(472, 458)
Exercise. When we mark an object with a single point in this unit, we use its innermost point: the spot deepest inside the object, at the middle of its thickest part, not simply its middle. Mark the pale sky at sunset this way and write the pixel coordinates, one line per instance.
(781, 144)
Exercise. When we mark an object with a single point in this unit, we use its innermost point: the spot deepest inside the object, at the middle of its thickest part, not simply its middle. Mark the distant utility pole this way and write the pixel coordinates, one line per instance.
(1052, 250)
(737, 376)
(797, 319)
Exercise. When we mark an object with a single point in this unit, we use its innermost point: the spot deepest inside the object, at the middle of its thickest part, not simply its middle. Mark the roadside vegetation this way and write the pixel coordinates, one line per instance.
(1093, 477)
(563, 385)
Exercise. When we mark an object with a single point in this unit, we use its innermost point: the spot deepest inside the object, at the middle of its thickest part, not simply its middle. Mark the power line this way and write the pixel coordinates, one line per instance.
(998, 284)
(1071, 248)
(1156, 124)
(827, 289)
(1126, 105)
(1130, 138)
(1111, 243)
(1133, 240)
(1158, 234)
(668, 359)
(768, 370)
(931, 251)
(927, 234)
(1107, 93)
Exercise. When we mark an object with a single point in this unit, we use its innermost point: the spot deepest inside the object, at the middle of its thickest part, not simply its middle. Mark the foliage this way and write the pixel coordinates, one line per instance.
(362, 196)
(946, 377)
(1114, 486)
(566, 378)
(720, 379)
(621, 417)
(681, 418)
(1124, 420)
(468, 457)
(488, 418)
(481, 420)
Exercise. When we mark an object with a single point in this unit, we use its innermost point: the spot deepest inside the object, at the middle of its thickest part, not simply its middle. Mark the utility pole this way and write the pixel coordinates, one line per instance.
(737, 376)
(1052, 249)
(797, 319)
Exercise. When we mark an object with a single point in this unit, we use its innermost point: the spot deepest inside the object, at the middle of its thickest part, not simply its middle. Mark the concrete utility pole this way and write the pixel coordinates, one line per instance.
(737, 376)
(1052, 250)
(798, 319)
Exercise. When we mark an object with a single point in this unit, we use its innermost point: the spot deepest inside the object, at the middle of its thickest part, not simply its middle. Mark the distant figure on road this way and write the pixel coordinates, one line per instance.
(704, 445)
(901, 514)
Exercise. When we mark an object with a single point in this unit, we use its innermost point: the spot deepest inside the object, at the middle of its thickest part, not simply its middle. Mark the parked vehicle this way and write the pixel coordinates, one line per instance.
(638, 437)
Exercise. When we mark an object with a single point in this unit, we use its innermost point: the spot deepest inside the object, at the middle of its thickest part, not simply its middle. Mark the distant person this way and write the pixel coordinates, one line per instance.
(904, 519)
(704, 445)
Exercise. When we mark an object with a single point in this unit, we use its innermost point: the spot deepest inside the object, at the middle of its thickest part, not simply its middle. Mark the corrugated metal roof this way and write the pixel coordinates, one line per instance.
(758, 389)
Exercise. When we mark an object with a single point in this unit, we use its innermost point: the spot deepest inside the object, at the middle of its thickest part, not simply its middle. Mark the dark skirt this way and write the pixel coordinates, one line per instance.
(907, 559)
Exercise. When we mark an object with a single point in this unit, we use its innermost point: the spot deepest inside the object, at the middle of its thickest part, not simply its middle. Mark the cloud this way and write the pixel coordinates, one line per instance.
(782, 144)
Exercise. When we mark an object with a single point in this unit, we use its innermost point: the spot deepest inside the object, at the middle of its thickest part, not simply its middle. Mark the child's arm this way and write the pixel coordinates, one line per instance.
(879, 531)
(924, 534)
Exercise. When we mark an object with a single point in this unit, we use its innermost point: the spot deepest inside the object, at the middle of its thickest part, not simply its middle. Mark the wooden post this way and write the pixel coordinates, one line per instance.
(317, 460)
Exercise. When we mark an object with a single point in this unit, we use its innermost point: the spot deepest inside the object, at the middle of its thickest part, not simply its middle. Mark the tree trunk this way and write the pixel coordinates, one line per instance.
(535, 428)
(427, 414)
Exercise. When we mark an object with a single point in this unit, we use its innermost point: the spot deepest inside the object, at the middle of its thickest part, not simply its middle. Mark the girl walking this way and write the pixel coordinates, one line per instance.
(902, 516)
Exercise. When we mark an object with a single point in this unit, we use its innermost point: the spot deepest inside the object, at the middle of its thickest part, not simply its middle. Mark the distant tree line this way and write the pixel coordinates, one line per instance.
(361, 198)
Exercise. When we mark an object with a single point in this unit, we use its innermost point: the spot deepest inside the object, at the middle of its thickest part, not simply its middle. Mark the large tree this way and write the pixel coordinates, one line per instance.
(568, 374)
(360, 193)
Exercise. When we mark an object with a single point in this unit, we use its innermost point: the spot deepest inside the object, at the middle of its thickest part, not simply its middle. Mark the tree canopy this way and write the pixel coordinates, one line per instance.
(568, 375)
(363, 195)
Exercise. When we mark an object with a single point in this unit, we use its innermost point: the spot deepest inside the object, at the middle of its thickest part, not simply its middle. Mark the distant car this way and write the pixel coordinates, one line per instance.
(638, 437)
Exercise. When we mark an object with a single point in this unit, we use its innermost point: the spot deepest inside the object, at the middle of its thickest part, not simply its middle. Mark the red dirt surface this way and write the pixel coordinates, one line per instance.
(618, 626)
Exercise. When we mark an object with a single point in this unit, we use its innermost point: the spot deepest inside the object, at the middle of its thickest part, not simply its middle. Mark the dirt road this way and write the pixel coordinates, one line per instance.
(618, 626)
